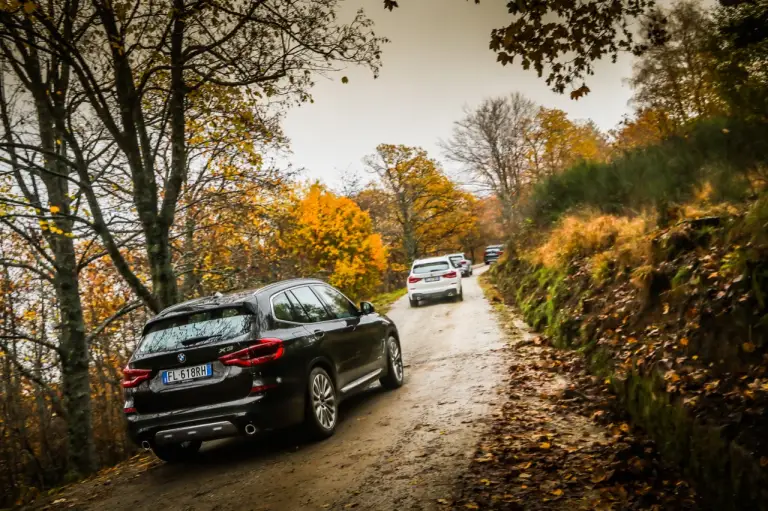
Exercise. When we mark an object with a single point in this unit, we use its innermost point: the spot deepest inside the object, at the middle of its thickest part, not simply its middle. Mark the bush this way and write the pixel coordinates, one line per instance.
(610, 240)
(722, 152)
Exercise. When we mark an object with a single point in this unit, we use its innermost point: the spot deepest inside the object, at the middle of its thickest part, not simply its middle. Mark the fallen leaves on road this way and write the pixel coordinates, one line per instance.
(559, 444)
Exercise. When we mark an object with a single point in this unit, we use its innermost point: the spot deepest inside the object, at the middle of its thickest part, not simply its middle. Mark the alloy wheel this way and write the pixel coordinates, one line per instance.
(324, 401)
(396, 359)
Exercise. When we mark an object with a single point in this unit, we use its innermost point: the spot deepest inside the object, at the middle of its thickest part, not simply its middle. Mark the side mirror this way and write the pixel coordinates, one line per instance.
(367, 308)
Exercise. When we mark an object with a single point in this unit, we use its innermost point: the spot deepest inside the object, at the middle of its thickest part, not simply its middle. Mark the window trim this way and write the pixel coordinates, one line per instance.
(272, 305)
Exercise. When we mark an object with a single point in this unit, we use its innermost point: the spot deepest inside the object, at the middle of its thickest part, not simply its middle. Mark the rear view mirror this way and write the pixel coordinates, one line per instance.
(367, 308)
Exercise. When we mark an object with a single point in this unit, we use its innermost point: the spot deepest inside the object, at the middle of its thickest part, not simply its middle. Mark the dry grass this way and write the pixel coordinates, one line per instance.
(607, 240)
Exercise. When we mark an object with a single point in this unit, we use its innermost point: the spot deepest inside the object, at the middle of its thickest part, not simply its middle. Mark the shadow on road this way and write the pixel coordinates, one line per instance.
(223, 453)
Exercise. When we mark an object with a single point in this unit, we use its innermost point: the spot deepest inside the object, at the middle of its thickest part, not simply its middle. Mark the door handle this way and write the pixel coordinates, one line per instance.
(319, 333)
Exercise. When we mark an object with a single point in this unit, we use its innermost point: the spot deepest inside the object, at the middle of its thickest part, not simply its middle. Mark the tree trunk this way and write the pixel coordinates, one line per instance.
(191, 278)
(163, 275)
(72, 342)
(74, 360)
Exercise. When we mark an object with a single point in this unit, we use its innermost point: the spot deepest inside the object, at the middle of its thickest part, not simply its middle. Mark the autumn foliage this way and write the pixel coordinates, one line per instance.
(331, 237)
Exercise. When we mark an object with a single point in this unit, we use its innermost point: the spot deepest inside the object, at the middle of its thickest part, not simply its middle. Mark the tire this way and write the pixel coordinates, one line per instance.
(414, 303)
(322, 412)
(177, 453)
(395, 371)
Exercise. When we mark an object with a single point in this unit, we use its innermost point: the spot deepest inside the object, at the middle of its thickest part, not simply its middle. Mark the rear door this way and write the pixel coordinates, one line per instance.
(339, 345)
(183, 351)
(431, 274)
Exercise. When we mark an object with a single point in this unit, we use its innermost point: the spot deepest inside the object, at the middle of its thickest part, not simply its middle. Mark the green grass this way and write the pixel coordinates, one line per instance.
(383, 302)
(720, 151)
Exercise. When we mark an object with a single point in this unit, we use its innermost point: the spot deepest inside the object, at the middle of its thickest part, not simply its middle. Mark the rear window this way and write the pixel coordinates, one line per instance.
(430, 267)
(286, 310)
(456, 260)
(196, 329)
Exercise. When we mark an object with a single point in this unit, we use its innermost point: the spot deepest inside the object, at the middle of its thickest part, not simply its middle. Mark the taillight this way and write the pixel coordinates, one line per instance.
(133, 377)
(264, 351)
(413, 280)
(449, 275)
(261, 388)
(129, 411)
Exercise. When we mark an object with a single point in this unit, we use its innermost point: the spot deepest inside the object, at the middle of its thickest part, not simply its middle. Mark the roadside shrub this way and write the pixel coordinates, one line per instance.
(609, 240)
(725, 153)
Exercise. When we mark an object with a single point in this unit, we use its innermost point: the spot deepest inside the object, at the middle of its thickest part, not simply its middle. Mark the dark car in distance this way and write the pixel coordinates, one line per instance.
(253, 361)
(492, 253)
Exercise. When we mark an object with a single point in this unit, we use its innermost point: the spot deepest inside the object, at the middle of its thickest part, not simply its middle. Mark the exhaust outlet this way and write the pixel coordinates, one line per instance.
(250, 429)
(145, 445)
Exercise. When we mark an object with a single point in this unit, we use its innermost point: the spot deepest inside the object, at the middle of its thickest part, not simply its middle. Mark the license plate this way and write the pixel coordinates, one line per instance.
(431, 279)
(187, 374)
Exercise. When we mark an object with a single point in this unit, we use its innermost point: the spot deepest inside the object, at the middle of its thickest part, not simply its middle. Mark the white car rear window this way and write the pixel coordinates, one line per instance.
(430, 267)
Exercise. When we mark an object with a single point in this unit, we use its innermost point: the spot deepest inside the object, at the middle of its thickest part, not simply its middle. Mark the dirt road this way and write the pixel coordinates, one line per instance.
(392, 450)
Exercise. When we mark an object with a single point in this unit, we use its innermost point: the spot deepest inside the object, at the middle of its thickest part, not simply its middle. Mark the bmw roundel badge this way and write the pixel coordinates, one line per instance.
(182, 358)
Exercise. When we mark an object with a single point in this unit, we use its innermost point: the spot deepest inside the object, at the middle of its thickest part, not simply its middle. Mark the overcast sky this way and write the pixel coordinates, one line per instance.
(437, 61)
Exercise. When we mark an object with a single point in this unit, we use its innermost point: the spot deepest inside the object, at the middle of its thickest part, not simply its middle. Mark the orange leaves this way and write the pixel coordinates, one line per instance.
(646, 128)
(427, 208)
(332, 236)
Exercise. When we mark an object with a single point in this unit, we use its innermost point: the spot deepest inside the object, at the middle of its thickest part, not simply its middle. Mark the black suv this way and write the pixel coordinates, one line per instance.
(252, 361)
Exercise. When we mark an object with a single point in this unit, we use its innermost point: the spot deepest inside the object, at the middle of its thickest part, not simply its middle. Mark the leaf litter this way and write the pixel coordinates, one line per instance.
(561, 443)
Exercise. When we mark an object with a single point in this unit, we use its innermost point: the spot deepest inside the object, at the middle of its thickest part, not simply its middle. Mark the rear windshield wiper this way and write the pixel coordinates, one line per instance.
(195, 340)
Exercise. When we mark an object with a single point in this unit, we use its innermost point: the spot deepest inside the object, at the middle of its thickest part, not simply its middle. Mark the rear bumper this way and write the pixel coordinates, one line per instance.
(429, 294)
(220, 420)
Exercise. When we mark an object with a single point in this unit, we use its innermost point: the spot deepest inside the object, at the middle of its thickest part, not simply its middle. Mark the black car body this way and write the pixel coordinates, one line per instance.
(252, 361)
(493, 253)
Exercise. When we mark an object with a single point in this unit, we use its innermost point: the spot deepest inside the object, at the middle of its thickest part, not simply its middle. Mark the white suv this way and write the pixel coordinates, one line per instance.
(433, 278)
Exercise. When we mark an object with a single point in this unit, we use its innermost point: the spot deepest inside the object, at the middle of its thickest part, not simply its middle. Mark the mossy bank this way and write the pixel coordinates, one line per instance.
(681, 335)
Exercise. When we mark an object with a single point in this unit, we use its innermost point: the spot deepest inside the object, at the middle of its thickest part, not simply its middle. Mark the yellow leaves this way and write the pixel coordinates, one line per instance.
(748, 347)
(557, 493)
(684, 342)
(624, 427)
(711, 386)
(763, 461)
(29, 7)
(332, 234)
(471, 505)
(545, 445)
(54, 209)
